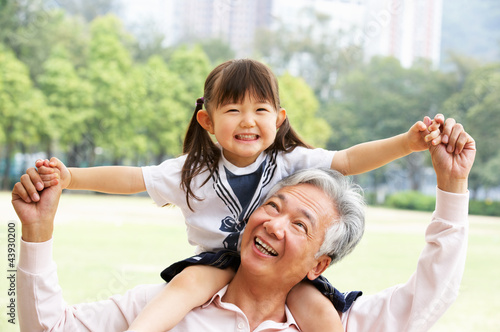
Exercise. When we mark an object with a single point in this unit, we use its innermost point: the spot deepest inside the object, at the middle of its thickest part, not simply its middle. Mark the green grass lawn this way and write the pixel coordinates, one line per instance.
(108, 244)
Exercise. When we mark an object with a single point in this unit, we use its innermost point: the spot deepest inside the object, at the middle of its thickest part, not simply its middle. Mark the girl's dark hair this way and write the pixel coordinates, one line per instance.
(229, 82)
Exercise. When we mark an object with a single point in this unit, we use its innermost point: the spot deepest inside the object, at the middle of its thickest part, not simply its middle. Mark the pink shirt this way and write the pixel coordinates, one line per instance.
(413, 306)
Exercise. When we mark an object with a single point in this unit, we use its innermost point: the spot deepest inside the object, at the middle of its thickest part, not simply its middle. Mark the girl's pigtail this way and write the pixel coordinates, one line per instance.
(201, 152)
(193, 129)
(287, 139)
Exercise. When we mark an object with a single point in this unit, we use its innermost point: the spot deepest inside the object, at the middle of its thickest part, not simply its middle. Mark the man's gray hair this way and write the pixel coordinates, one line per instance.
(348, 225)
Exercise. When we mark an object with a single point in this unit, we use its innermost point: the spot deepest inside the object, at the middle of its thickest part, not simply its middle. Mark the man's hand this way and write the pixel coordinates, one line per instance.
(453, 163)
(46, 174)
(37, 218)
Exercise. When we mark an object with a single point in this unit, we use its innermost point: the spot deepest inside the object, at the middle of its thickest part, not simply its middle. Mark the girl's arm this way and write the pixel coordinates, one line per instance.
(191, 288)
(312, 310)
(368, 156)
(107, 179)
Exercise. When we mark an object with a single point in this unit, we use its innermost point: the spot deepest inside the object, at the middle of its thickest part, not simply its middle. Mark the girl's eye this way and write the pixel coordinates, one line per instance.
(262, 110)
(232, 110)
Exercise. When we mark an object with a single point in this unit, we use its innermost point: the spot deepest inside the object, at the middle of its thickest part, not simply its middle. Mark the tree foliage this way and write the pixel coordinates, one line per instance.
(314, 52)
(164, 108)
(70, 97)
(23, 111)
(382, 99)
(89, 10)
(477, 106)
(92, 94)
(302, 107)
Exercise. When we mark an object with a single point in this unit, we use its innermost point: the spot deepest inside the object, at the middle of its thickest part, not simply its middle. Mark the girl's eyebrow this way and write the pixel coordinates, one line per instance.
(262, 101)
(258, 102)
(232, 102)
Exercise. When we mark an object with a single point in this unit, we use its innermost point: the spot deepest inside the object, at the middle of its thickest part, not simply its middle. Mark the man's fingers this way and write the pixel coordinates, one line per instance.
(439, 118)
(456, 130)
(434, 126)
(462, 139)
(35, 178)
(20, 192)
(447, 129)
(30, 189)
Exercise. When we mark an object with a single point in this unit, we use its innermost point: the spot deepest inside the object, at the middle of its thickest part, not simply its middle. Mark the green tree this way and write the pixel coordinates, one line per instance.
(149, 42)
(70, 97)
(315, 53)
(217, 50)
(90, 9)
(23, 112)
(164, 109)
(193, 66)
(382, 99)
(302, 106)
(115, 101)
(31, 29)
(477, 106)
(476, 38)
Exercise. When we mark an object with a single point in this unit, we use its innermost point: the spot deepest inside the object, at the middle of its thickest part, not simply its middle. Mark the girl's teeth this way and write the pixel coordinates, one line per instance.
(246, 137)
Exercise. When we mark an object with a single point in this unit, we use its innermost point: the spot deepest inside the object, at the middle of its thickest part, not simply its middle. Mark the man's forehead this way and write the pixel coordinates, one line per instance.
(306, 199)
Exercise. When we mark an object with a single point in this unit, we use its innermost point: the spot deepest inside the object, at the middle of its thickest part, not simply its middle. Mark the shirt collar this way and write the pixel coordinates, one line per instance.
(241, 170)
(216, 299)
(290, 320)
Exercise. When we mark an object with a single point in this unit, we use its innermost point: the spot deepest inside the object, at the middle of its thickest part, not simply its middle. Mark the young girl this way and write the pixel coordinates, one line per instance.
(218, 185)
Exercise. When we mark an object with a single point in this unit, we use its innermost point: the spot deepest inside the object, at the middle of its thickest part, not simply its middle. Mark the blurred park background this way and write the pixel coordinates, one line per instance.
(108, 244)
(109, 82)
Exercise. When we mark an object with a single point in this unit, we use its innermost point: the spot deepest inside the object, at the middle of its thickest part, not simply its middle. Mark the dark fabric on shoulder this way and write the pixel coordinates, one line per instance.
(341, 301)
(221, 259)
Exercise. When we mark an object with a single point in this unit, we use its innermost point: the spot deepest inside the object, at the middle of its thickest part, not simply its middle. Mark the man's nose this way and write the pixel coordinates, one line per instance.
(276, 226)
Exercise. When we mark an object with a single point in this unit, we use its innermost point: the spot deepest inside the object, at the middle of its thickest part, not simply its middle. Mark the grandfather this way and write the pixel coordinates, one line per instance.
(308, 221)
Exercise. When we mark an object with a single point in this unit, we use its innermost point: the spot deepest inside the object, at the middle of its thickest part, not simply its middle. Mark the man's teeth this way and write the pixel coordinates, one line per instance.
(264, 248)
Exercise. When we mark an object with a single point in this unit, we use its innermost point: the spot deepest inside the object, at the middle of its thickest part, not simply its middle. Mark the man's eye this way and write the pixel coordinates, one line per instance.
(301, 225)
(273, 205)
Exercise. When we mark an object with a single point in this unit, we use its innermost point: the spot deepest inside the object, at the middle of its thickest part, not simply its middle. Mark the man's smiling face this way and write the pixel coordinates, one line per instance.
(284, 234)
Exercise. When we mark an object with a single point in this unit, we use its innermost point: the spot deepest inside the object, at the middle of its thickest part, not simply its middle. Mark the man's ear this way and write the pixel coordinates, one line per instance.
(322, 263)
(204, 120)
(281, 117)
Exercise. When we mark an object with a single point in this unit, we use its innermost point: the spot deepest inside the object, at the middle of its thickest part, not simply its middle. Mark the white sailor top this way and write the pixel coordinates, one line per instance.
(230, 196)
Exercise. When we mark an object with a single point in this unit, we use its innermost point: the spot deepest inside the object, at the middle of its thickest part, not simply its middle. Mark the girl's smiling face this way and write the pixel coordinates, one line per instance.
(244, 129)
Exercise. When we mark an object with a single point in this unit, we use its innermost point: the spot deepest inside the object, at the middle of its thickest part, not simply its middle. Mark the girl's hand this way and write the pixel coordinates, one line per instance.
(50, 170)
(423, 132)
(46, 174)
(32, 182)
